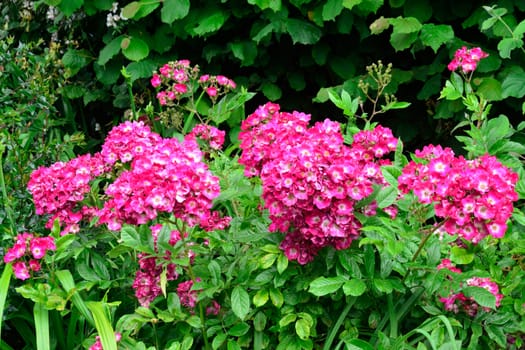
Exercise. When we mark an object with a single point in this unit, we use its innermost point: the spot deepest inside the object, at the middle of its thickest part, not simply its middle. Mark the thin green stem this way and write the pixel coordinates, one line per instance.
(392, 316)
(335, 328)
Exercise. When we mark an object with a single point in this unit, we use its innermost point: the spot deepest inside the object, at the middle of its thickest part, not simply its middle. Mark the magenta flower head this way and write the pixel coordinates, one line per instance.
(466, 59)
(155, 80)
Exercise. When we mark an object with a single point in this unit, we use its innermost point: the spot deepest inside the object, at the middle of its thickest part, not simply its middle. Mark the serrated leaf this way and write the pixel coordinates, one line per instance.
(490, 89)
(218, 340)
(139, 9)
(134, 49)
(354, 287)
(436, 35)
(142, 69)
(402, 41)
(326, 285)
(482, 296)
(302, 32)
(245, 51)
(110, 50)
(349, 4)
(386, 196)
(240, 301)
(173, 10)
(239, 329)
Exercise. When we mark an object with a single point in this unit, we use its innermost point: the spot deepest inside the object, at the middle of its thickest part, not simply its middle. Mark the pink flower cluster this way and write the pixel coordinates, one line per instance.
(458, 301)
(58, 189)
(159, 175)
(466, 59)
(98, 344)
(311, 180)
(164, 176)
(473, 196)
(188, 297)
(178, 78)
(147, 279)
(211, 134)
(26, 253)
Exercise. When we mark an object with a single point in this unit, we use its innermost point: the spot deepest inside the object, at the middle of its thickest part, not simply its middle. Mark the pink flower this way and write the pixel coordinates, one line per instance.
(156, 80)
(20, 270)
(180, 88)
(211, 91)
(467, 59)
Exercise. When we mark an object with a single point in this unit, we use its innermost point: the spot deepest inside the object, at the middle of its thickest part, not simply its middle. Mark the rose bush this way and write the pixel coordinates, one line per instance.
(291, 237)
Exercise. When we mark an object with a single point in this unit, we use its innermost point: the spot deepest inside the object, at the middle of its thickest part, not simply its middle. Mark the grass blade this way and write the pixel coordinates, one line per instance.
(103, 326)
(5, 280)
(66, 279)
(41, 315)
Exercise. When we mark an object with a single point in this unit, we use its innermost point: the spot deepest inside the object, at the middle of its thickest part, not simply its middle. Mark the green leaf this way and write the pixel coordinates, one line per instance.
(260, 298)
(276, 297)
(514, 83)
(74, 60)
(382, 285)
(240, 302)
(287, 319)
(239, 329)
(490, 89)
(386, 196)
(332, 9)
(402, 41)
(506, 45)
(370, 6)
(68, 7)
(233, 345)
(210, 21)
(134, 49)
(274, 5)
(140, 70)
(139, 9)
(354, 287)
(5, 282)
(302, 32)
(482, 296)
(173, 10)
(271, 91)
(436, 35)
(379, 25)
(326, 285)
(245, 51)
(282, 263)
(460, 256)
(349, 4)
(302, 328)
(405, 25)
(218, 340)
(41, 318)
(103, 326)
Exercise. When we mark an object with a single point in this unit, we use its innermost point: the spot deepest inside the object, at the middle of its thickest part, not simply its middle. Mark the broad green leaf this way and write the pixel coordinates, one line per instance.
(218, 340)
(302, 328)
(274, 5)
(302, 32)
(326, 285)
(239, 329)
(332, 9)
(139, 9)
(382, 285)
(5, 282)
(276, 297)
(233, 345)
(354, 287)
(461, 256)
(506, 45)
(490, 89)
(140, 70)
(349, 4)
(68, 7)
(74, 60)
(436, 35)
(287, 319)
(358, 344)
(210, 21)
(282, 263)
(41, 318)
(245, 51)
(391, 173)
(402, 41)
(260, 298)
(130, 237)
(173, 10)
(240, 301)
(134, 49)
(420, 9)
(514, 83)
(369, 6)
(482, 296)
(271, 91)
(405, 25)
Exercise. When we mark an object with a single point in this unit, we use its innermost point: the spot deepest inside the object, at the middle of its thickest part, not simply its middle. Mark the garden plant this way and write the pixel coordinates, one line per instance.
(205, 214)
